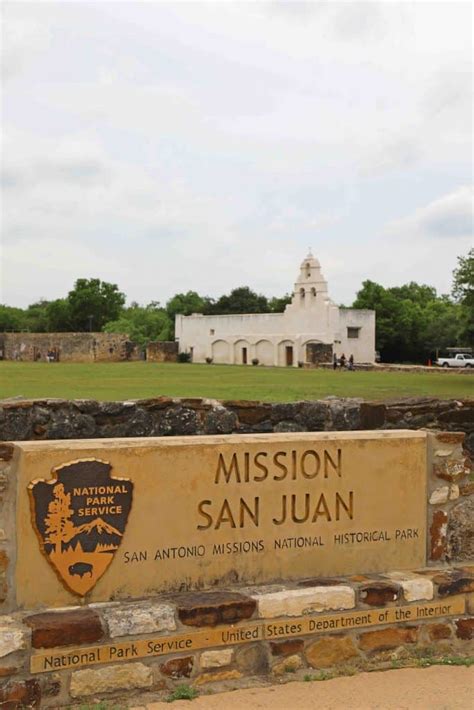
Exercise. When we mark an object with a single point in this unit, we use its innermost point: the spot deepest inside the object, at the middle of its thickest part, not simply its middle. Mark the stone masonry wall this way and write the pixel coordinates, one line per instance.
(318, 353)
(23, 420)
(162, 351)
(285, 651)
(68, 347)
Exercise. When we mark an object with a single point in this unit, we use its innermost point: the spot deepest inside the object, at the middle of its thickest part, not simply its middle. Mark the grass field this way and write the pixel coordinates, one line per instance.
(134, 380)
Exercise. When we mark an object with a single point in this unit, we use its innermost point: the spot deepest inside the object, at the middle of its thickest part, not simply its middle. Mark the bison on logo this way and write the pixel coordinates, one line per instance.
(80, 517)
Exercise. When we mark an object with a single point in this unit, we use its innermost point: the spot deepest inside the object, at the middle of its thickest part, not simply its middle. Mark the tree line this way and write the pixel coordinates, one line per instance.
(413, 321)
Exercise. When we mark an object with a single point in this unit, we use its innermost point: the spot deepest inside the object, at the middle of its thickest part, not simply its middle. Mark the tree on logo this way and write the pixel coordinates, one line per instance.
(59, 526)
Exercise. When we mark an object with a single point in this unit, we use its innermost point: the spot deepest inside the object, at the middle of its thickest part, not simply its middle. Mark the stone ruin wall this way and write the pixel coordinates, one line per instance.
(318, 353)
(72, 347)
(162, 351)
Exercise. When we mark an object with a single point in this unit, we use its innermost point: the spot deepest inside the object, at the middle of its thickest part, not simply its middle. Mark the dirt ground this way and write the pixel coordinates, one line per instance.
(434, 688)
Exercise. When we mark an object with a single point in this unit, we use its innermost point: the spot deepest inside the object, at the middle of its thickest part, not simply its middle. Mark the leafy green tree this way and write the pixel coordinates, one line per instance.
(412, 321)
(278, 305)
(142, 324)
(11, 318)
(186, 304)
(463, 292)
(463, 279)
(36, 317)
(59, 316)
(93, 303)
(240, 300)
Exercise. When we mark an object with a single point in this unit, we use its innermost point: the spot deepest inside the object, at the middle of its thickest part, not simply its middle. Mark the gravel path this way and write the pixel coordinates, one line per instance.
(434, 688)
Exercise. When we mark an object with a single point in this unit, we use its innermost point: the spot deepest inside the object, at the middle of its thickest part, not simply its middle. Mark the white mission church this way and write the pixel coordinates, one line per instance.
(281, 339)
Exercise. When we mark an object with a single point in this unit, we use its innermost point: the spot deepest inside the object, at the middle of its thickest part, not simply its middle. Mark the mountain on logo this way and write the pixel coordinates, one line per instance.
(97, 532)
(100, 525)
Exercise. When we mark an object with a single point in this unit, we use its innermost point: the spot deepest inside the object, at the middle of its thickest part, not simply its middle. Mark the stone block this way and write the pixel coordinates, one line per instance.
(450, 437)
(440, 495)
(466, 489)
(178, 667)
(252, 660)
(438, 530)
(20, 694)
(454, 491)
(139, 618)
(414, 587)
(296, 602)
(285, 411)
(454, 582)
(213, 608)
(3, 575)
(379, 593)
(385, 639)
(218, 677)
(250, 413)
(372, 416)
(216, 659)
(12, 636)
(64, 628)
(6, 451)
(330, 651)
(128, 676)
(220, 421)
(436, 632)
(465, 629)
(6, 671)
(287, 647)
(460, 531)
(314, 415)
(179, 421)
(291, 664)
(452, 469)
(320, 582)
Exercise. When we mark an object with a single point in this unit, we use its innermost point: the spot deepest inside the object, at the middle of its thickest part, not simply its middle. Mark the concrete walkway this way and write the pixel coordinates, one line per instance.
(434, 688)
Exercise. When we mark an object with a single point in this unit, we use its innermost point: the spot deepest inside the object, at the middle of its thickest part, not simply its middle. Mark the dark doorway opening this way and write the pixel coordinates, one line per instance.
(289, 355)
(244, 356)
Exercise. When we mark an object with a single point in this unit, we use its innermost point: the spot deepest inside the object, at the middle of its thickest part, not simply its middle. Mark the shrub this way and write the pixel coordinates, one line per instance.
(255, 361)
(184, 357)
(182, 692)
(209, 360)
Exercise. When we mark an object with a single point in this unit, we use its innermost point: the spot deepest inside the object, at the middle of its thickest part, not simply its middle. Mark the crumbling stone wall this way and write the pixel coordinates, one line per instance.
(162, 351)
(318, 353)
(68, 347)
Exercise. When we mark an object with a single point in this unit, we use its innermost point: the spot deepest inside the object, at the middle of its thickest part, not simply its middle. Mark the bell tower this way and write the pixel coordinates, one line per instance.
(310, 287)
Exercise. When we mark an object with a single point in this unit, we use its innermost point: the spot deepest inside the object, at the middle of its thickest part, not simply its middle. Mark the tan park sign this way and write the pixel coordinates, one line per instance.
(278, 629)
(215, 510)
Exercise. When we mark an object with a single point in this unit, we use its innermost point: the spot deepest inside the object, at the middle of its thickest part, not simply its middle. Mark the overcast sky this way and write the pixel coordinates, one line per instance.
(175, 146)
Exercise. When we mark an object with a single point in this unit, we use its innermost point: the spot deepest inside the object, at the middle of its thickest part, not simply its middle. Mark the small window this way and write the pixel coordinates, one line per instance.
(301, 292)
(353, 332)
(313, 292)
(212, 331)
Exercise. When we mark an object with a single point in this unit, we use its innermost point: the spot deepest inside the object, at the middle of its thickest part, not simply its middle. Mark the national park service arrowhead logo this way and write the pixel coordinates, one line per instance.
(80, 516)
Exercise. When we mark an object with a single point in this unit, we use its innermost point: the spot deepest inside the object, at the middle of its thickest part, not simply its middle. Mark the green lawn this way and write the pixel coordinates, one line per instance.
(134, 380)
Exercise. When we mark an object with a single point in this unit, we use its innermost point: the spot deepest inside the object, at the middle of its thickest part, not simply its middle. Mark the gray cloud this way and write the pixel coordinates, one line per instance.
(450, 216)
(169, 146)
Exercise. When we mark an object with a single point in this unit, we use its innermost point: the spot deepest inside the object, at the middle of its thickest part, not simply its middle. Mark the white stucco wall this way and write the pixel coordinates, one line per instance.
(280, 338)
